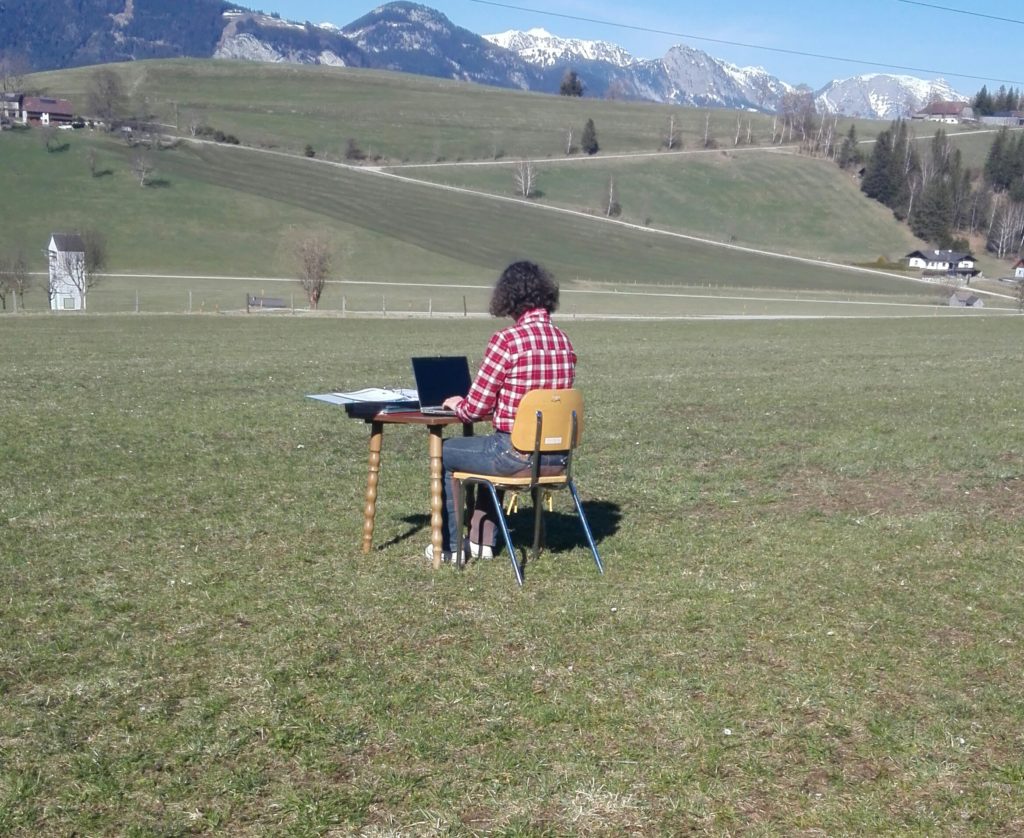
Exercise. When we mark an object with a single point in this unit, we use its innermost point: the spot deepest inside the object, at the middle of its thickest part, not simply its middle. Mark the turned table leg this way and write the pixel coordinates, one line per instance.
(372, 478)
(436, 500)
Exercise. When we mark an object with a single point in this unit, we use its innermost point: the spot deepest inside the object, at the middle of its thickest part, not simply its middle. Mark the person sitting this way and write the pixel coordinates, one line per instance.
(531, 354)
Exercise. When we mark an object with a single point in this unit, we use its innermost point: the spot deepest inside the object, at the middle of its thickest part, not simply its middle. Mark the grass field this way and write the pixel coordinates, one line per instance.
(810, 621)
(229, 212)
(237, 212)
(399, 116)
(777, 201)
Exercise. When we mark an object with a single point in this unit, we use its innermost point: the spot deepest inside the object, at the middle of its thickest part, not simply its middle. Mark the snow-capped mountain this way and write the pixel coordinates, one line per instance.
(417, 39)
(696, 78)
(540, 47)
(413, 38)
(883, 96)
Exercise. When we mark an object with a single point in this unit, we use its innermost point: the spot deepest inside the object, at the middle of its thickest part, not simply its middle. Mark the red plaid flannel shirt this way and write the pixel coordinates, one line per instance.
(531, 355)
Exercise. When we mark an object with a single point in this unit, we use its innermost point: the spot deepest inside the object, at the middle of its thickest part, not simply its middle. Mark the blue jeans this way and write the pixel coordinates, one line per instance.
(492, 454)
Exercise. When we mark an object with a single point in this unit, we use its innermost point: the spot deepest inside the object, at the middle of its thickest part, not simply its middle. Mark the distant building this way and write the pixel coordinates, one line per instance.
(42, 110)
(1018, 269)
(66, 253)
(10, 107)
(952, 113)
(1011, 119)
(966, 299)
(944, 262)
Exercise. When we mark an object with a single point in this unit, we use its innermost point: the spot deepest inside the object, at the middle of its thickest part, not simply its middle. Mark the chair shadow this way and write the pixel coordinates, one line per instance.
(563, 530)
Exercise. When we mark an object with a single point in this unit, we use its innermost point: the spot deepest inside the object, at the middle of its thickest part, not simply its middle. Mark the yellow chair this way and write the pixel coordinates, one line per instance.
(547, 421)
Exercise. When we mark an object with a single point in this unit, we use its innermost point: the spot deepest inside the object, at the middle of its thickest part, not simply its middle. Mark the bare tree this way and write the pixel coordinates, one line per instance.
(672, 140)
(1019, 294)
(105, 97)
(568, 141)
(14, 67)
(142, 166)
(14, 280)
(525, 176)
(1007, 223)
(194, 122)
(48, 135)
(616, 90)
(614, 208)
(314, 266)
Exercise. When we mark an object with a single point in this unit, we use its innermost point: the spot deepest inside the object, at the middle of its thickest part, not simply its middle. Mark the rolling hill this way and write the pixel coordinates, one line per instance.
(690, 220)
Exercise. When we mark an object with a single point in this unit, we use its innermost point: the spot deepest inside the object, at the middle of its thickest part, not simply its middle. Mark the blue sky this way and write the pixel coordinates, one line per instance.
(880, 35)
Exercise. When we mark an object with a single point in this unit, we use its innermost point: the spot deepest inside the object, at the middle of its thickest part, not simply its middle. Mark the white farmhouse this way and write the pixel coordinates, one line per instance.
(951, 263)
(1018, 270)
(67, 272)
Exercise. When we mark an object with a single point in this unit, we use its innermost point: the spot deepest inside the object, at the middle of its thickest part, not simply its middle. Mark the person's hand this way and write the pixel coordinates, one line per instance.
(452, 402)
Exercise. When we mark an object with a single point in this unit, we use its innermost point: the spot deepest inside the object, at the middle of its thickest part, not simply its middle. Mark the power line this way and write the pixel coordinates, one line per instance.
(782, 50)
(962, 12)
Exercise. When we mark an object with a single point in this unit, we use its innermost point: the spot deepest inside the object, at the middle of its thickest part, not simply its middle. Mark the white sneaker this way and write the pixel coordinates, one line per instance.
(428, 554)
(478, 551)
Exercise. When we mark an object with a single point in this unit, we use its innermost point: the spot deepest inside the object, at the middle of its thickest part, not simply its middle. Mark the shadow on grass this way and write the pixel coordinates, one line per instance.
(563, 531)
(103, 173)
(158, 183)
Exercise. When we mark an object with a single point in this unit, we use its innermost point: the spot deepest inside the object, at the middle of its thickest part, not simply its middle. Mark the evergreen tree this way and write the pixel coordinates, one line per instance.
(588, 142)
(571, 84)
(904, 167)
(999, 103)
(931, 218)
(849, 151)
(876, 174)
(996, 170)
(982, 103)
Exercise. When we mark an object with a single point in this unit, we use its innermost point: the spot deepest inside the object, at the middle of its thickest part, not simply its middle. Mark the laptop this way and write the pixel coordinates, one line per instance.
(438, 378)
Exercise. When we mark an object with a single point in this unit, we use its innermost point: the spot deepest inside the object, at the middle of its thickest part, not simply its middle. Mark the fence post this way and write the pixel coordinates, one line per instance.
(383, 304)
(430, 307)
(465, 311)
(342, 305)
(189, 300)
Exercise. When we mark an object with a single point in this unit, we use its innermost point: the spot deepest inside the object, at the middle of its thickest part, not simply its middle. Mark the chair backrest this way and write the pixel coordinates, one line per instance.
(556, 409)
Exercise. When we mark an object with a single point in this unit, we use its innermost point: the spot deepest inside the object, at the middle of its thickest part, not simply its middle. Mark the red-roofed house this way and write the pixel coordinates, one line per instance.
(951, 112)
(1018, 269)
(42, 110)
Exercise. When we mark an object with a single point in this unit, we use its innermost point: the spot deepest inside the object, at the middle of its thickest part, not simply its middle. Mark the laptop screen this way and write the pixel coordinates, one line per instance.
(439, 377)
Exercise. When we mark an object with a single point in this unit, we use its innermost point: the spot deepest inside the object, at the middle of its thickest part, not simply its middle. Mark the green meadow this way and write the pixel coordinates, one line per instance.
(810, 621)
(398, 116)
(236, 212)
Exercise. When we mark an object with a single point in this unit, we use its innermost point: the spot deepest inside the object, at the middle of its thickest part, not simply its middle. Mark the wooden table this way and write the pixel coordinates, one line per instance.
(435, 427)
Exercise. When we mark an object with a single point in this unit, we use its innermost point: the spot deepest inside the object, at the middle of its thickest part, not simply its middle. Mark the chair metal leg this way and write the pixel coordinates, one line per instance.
(538, 520)
(517, 566)
(586, 526)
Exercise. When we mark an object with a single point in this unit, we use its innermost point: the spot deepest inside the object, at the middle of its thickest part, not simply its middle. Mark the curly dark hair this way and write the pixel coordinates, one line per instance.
(523, 286)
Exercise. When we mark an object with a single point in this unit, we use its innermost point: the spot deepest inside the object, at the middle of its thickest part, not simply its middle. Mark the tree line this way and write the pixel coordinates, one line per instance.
(1004, 101)
(942, 200)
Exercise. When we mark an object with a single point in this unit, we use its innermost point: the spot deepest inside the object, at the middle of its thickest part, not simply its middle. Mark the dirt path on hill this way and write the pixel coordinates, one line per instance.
(385, 172)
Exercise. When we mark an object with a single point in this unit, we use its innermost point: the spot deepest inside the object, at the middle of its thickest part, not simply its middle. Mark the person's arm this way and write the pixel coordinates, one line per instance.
(483, 395)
